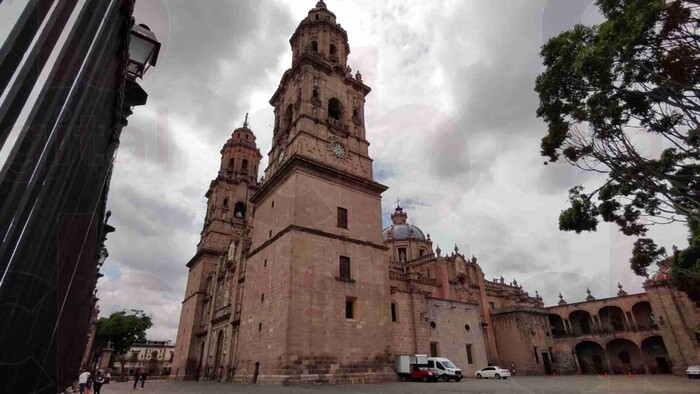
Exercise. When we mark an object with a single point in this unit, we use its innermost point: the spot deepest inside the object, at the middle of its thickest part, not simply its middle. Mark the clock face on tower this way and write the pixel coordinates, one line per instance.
(338, 149)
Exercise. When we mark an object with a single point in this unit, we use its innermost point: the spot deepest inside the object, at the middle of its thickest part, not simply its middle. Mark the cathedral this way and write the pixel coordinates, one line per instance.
(295, 281)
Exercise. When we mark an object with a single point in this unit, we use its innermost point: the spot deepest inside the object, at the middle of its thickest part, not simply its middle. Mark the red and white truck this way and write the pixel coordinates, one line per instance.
(415, 367)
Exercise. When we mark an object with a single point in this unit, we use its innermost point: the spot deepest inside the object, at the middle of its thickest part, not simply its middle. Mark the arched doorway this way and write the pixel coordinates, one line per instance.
(655, 355)
(581, 322)
(217, 356)
(612, 319)
(642, 315)
(557, 325)
(591, 358)
(624, 357)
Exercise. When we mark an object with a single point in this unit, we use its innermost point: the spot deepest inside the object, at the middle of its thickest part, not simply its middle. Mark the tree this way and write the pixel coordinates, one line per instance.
(121, 330)
(605, 91)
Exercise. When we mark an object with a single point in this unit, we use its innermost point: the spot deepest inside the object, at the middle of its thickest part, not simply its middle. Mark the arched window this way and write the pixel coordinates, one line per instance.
(335, 108)
(231, 162)
(244, 165)
(355, 113)
(316, 94)
(314, 46)
(239, 210)
(225, 202)
(333, 50)
(288, 114)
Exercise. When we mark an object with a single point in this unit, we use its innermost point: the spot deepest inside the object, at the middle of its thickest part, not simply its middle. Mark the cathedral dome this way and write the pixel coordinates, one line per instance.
(400, 229)
(403, 231)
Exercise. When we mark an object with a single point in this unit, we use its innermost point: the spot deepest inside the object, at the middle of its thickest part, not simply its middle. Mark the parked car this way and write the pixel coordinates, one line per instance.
(493, 372)
(445, 369)
(693, 371)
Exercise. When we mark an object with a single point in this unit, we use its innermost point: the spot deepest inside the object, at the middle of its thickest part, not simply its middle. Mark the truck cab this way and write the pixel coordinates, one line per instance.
(423, 373)
(445, 369)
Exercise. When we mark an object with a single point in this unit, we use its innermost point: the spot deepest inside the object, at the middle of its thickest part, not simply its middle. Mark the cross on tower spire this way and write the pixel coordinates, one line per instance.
(245, 122)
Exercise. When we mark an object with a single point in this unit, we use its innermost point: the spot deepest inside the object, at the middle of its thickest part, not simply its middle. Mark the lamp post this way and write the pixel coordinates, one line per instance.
(143, 50)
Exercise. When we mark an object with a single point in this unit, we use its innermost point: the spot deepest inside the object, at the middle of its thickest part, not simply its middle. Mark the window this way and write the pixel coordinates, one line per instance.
(466, 327)
(273, 204)
(262, 297)
(470, 360)
(433, 326)
(270, 233)
(315, 93)
(314, 44)
(231, 163)
(492, 305)
(349, 308)
(288, 115)
(335, 108)
(244, 165)
(433, 349)
(333, 50)
(421, 252)
(537, 357)
(259, 327)
(345, 267)
(342, 217)
(225, 202)
(265, 263)
(393, 312)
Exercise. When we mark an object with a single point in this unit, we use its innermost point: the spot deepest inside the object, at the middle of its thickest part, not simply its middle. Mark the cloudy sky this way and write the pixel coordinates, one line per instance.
(451, 120)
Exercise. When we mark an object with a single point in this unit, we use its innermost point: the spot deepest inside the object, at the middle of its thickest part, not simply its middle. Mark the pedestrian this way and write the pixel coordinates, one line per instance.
(83, 380)
(97, 382)
(143, 378)
(512, 369)
(137, 375)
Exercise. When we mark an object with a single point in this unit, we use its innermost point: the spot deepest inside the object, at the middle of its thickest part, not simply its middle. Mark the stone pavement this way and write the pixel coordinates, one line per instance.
(517, 385)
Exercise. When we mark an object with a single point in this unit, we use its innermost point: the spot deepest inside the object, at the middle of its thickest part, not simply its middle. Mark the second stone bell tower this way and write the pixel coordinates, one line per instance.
(316, 302)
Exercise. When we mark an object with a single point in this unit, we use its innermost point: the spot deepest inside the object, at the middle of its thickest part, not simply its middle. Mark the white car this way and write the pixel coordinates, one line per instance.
(693, 371)
(493, 372)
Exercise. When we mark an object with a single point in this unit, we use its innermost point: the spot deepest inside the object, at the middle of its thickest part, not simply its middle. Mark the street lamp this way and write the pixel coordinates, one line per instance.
(143, 50)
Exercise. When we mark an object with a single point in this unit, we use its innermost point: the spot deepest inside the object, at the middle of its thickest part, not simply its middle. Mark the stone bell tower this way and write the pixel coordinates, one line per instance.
(229, 214)
(315, 305)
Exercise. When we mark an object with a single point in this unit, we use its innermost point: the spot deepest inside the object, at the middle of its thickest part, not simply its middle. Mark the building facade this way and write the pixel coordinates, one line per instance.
(154, 357)
(294, 279)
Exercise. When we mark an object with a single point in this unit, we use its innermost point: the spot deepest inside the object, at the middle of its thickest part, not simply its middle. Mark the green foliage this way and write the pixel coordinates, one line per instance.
(635, 77)
(122, 329)
(686, 264)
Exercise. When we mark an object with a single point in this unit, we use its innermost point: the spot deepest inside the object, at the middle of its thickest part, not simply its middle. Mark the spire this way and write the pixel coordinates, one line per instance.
(321, 4)
(561, 299)
(245, 122)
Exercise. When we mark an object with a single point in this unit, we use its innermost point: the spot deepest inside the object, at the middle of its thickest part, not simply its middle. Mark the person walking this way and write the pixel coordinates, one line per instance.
(83, 380)
(97, 382)
(143, 378)
(137, 376)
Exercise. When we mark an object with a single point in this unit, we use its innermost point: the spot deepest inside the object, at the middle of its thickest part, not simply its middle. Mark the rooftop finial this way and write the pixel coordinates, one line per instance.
(561, 299)
(620, 293)
(398, 201)
(245, 122)
(589, 297)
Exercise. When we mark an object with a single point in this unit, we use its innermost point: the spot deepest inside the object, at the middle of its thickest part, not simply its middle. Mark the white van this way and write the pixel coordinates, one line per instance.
(445, 368)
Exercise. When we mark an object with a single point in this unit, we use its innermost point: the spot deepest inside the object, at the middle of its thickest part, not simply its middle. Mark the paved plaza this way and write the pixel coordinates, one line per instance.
(535, 384)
